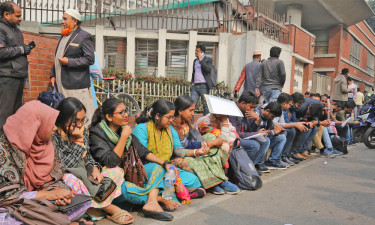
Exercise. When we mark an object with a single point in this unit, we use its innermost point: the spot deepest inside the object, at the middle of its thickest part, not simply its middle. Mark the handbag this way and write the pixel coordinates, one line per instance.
(36, 212)
(133, 168)
(51, 97)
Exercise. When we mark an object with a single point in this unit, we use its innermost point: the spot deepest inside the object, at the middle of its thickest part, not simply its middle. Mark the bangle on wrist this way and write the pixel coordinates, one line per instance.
(194, 152)
(79, 142)
(205, 144)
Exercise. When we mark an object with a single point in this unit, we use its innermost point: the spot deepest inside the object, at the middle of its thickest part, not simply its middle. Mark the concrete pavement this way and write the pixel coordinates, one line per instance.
(341, 191)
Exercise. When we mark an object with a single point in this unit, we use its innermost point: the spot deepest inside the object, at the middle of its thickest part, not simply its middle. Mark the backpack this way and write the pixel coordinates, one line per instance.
(51, 97)
(339, 143)
(244, 169)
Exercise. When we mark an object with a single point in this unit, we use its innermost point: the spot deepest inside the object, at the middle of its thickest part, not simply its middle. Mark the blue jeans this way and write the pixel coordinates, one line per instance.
(305, 139)
(257, 151)
(326, 138)
(290, 135)
(198, 90)
(349, 134)
(271, 95)
(277, 145)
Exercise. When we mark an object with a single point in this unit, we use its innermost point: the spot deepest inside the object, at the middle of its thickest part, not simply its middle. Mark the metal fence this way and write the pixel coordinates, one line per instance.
(205, 16)
(145, 93)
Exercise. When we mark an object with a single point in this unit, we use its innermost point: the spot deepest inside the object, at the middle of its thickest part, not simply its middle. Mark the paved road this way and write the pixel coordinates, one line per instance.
(341, 191)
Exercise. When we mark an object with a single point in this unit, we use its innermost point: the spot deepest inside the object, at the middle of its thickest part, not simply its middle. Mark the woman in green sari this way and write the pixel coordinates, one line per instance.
(110, 137)
(209, 168)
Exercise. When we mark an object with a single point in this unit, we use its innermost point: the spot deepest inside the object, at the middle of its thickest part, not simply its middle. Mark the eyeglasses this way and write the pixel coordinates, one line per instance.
(82, 121)
(170, 118)
(122, 113)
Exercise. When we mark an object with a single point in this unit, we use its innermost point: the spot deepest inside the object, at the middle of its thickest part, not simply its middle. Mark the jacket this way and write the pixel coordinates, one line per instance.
(302, 110)
(101, 148)
(13, 61)
(249, 74)
(339, 88)
(80, 53)
(244, 127)
(272, 74)
(206, 64)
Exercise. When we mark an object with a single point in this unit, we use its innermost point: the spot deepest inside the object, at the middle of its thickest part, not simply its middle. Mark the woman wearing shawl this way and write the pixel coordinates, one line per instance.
(71, 141)
(110, 137)
(209, 168)
(27, 158)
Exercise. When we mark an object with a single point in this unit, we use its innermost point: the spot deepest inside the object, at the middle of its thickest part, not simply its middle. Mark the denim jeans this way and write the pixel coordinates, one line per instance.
(305, 139)
(326, 138)
(277, 145)
(198, 90)
(349, 134)
(257, 151)
(290, 135)
(271, 95)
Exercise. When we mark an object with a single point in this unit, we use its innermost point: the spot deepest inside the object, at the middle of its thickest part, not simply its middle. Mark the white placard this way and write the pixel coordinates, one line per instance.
(222, 106)
(259, 137)
(346, 122)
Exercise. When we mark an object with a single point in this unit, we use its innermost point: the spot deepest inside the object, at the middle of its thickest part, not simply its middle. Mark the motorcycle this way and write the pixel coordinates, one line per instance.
(366, 129)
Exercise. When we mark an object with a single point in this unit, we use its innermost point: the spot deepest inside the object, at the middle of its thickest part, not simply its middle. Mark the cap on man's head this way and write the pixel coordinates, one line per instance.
(257, 52)
(73, 13)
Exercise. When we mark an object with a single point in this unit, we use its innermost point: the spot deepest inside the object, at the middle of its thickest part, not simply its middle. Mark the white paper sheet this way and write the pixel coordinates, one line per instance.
(259, 137)
(222, 106)
(346, 122)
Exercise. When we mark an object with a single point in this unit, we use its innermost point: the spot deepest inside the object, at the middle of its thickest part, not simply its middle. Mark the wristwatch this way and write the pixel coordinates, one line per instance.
(165, 164)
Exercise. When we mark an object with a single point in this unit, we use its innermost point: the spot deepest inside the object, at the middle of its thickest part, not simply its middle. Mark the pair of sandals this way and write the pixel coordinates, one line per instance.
(120, 216)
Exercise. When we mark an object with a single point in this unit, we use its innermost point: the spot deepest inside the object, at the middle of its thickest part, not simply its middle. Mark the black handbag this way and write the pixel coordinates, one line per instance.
(51, 97)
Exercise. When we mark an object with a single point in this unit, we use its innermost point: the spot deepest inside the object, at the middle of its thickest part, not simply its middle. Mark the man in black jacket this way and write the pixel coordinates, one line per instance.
(73, 57)
(201, 80)
(13, 61)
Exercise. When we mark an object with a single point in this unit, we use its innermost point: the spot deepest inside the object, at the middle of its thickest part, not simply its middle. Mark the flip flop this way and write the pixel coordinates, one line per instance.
(117, 216)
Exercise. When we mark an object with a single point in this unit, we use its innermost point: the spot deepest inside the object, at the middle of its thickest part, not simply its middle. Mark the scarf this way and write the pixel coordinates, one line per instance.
(161, 146)
(29, 130)
(113, 136)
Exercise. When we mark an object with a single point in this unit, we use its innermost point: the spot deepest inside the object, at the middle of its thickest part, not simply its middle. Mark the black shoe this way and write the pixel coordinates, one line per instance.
(296, 161)
(286, 160)
(293, 156)
(162, 216)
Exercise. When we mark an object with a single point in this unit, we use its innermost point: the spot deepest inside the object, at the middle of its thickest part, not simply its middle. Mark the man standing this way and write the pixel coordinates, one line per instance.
(340, 87)
(271, 76)
(352, 90)
(13, 61)
(74, 54)
(249, 74)
(358, 101)
(202, 80)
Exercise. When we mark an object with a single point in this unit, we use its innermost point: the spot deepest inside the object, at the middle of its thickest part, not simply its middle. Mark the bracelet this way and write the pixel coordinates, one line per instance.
(194, 152)
(205, 143)
(79, 142)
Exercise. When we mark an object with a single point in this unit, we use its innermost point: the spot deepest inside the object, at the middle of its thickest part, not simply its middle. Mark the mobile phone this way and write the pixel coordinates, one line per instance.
(307, 125)
(32, 44)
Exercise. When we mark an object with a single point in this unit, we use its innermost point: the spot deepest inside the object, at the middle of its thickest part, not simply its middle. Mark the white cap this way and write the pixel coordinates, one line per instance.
(257, 52)
(74, 13)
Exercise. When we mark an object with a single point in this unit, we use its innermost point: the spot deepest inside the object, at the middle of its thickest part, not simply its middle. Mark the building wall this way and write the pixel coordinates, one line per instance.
(41, 60)
(338, 56)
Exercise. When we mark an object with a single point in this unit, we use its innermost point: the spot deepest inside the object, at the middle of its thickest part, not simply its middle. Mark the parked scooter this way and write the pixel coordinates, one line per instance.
(366, 130)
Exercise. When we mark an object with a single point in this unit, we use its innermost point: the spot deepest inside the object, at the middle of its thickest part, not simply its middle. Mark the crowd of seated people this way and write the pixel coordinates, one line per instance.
(50, 154)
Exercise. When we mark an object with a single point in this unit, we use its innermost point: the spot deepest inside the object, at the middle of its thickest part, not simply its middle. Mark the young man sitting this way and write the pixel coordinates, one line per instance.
(285, 100)
(343, 112)
(247, 126)
(267, 114)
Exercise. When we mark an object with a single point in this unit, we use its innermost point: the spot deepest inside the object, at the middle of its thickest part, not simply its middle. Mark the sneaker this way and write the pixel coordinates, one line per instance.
(262, 168)
(295, 157)
(336, 152)
(352, 143)
(199, 193)
(286, 160)
(284, 164)
(217, 190)
(275, 166)
(300, 156)
(260, 173)
(295, 161)
(229, 188)
(307, 155)
(327, 153)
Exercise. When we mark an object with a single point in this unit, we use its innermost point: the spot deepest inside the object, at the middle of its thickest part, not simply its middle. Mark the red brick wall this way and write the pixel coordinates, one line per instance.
(301, 42)
(41, 60)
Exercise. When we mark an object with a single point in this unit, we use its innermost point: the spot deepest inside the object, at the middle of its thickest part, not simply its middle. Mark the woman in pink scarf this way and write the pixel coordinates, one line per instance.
(28, 159)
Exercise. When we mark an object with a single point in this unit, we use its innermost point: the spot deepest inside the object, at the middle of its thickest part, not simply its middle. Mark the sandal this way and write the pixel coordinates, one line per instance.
(117, 216)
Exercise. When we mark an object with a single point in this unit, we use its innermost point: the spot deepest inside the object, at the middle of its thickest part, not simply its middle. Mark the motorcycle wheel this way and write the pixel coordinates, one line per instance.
(358, 134)
(369, 138)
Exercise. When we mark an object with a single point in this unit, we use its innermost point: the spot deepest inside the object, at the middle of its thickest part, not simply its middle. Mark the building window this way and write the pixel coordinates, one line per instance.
(370, 63)
(176, 59)
(114, 52)
(355, 51)
(321, 47)
(146, 56)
